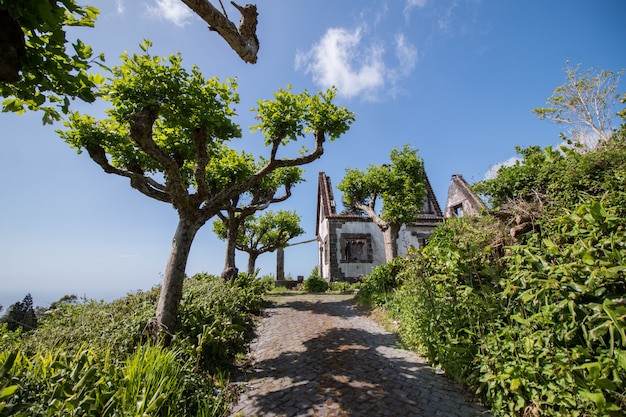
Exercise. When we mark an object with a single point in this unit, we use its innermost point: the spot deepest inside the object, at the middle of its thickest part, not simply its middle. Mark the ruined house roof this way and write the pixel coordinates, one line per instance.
(461, 195)
(432, 211)
(326, 206)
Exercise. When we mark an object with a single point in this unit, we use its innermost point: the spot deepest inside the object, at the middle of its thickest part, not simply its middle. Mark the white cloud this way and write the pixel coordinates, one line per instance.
(446, 19)
(172, 10)
(120, 6)
(493, 169)
(411, 4)
(406, 53)
(342, 59)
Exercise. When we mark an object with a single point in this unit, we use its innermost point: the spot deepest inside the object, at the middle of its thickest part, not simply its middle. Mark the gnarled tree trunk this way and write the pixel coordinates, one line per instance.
(232, 227)
(252, 262)
(172, 288)
(390, 236)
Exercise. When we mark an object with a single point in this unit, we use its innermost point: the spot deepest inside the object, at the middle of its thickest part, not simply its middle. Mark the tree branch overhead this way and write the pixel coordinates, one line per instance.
(242, 39)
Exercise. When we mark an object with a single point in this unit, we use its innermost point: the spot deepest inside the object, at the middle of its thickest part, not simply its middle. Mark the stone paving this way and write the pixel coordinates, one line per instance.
(315, 355)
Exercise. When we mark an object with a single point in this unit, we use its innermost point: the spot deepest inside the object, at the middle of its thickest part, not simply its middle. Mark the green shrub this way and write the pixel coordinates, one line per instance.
(314, 283)
(280, 290)
(562, 349)
(268, 282)
(541, 331)
(379, 284)
(447, 298)
(342, 287)
(56, 374)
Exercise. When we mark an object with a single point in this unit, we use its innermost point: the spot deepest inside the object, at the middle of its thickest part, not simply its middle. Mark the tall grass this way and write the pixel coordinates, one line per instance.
(91, 358)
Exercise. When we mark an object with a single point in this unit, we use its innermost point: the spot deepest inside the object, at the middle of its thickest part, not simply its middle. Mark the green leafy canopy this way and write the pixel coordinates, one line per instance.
(399, 184)
(50, 74)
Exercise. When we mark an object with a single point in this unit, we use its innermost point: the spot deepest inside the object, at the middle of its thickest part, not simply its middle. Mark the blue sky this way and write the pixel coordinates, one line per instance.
(456, 79)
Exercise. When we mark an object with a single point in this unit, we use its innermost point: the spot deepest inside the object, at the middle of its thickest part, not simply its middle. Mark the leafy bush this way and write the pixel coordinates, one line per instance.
(447, 298)
(280, 290)
(379, 284)
(540, 331)
(342, 287)
(536, 325)
(562, 349)
(86, 359)
(565, 177)
(315, 283)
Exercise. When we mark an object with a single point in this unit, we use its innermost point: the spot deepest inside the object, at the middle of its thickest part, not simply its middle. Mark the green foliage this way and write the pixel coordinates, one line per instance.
(50, 75)
(343, 287)
(267, 281)
(400, 184)
(540, 330)
(528, 176)
(379, 284)
(447, 297)
(86, 358)
(117, 325)
(315, 283)
(562, 347)
(263, 233)
(562, 178)
(290, 116)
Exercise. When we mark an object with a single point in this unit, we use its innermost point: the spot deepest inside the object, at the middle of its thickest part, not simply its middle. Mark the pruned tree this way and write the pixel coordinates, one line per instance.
(399, 184)
(242, 39)
(264, 233)
(167, 132)
(587, 103)
(37, 71)
(274, 188)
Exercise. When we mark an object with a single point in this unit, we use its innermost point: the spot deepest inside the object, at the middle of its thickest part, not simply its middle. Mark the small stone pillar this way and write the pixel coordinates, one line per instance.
(280, 264)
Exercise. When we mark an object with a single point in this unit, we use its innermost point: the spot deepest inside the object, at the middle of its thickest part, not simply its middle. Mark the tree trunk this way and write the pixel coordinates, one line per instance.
(390, 236)
(162, 329)
(230, 269)
(252, 262)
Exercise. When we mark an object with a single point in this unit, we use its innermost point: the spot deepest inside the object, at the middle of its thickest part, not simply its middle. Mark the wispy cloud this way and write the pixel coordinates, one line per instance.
(342, 59)
(172, 10)
(406, 53)
(355, 64)
(493, 169)
(411, 4)
(119, 6)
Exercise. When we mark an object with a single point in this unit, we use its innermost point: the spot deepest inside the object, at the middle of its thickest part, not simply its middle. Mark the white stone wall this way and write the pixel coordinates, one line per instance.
(355, 269)
(323, 238)
(411, 236)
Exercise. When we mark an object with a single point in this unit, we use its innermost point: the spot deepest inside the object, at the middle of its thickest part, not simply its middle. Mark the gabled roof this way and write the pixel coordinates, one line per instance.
(326, 206)
(325, 200)
(432, 209)
(461, 195)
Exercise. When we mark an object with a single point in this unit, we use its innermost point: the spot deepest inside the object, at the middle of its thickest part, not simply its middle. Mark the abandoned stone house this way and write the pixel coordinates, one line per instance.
(351, 245)
(461, 199)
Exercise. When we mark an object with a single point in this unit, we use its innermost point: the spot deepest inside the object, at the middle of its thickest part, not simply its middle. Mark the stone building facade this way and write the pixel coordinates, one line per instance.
(462, 201)
(350, 246)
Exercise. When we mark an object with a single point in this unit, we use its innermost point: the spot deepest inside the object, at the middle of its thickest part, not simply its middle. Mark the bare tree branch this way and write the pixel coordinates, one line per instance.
(242, 39)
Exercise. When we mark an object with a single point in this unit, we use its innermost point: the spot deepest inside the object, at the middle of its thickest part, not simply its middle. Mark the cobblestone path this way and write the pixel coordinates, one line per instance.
(315, 355)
